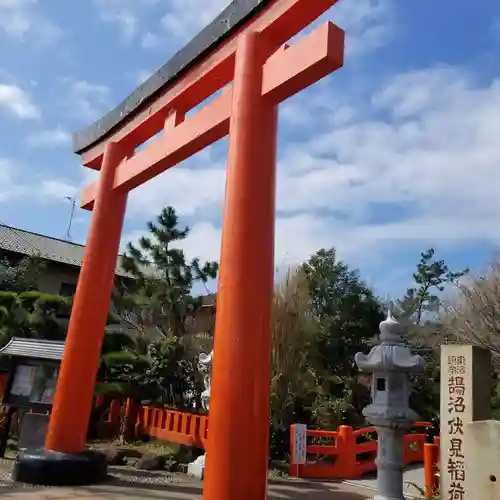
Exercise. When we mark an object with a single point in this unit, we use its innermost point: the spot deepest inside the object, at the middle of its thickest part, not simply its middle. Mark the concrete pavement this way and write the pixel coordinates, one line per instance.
(283, 490)
(414, 474)
(130, 485)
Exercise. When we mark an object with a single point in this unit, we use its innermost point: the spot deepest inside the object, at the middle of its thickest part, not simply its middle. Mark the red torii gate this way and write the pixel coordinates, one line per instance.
(264, 72)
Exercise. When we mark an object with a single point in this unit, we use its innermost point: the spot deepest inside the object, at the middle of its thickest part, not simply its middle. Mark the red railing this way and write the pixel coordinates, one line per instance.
(342, 454)
(190, 429)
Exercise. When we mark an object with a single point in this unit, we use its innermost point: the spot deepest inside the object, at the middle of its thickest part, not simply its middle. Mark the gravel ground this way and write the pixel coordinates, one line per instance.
(117, 475)
(6, 482)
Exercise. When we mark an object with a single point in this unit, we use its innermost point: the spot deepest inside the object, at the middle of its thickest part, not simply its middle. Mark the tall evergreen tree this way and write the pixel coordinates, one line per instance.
(161, 296)
(346, 310)
(430, 278)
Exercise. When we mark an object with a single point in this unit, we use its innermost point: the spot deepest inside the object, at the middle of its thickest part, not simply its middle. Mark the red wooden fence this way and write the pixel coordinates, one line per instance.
(341, 455)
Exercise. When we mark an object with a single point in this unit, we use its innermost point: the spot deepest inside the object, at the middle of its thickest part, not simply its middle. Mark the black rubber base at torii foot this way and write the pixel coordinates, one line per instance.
(51, 468)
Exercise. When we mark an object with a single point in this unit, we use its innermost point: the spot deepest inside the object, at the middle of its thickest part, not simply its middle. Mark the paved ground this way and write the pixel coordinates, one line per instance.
(414, 474)
(126, 483)
(190, 491)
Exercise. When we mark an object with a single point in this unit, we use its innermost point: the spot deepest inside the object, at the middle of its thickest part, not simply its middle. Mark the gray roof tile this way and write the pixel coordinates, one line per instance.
(34, 348)
(46, 247)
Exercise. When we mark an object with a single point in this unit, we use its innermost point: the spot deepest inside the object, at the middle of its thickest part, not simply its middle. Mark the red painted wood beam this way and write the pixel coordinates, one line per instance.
(286, 72)
(279, 22)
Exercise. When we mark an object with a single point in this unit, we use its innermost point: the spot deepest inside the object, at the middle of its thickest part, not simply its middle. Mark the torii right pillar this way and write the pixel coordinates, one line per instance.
(238, 444)
(239, 433)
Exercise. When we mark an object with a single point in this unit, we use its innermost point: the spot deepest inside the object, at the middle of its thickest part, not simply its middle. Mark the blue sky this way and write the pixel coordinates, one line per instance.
(396, 152)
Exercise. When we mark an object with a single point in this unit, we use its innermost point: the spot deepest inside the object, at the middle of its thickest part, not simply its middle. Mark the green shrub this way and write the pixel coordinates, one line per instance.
(29, 299)
(54, 304)
(8, 300)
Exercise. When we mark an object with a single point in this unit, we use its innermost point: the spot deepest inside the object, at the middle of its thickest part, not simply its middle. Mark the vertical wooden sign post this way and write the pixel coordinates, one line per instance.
(244, 51)
(465, 398)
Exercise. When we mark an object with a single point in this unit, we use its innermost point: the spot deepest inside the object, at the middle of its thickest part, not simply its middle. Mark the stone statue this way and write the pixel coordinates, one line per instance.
(205, 367)
(197, 468)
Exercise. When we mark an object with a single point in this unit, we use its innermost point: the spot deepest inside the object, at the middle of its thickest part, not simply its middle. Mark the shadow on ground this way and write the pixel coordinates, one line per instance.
(118, 488)
(137, 485)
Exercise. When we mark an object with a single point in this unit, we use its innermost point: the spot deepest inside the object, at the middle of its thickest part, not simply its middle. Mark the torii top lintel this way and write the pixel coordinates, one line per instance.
(204, 66)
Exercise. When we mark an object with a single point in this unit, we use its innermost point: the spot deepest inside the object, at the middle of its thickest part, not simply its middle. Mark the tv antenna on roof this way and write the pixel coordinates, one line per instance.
(73, 204)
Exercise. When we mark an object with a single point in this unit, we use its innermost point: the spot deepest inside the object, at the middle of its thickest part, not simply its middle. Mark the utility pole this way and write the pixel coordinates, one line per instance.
(73, 204)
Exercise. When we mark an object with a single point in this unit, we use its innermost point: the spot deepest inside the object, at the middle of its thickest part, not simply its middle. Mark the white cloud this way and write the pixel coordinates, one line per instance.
(16, 101)
(369, 24)
(179, 21)
(87, 100)
(9, 188)
(125, 14)
(17, 181)
(21, 20)
(49, 138)
(57, 190)
(187, 189)
(417, 92)
(151, 40)
(418, 166)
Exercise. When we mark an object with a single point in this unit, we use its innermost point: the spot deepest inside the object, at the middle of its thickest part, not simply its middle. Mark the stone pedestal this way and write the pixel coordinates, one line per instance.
(482, 464)
(51, 468)
(390, 464)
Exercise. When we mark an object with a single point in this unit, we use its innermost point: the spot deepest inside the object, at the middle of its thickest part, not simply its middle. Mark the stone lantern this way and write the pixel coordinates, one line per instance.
(390, 363)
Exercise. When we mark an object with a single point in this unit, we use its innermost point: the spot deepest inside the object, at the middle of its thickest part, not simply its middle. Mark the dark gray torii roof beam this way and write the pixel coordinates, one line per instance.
(205, 42)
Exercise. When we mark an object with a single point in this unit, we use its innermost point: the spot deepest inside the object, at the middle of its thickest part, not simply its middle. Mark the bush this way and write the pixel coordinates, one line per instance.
(8, 300)
(54, 305)
(32, 314)
(293, 381)
(29, 299)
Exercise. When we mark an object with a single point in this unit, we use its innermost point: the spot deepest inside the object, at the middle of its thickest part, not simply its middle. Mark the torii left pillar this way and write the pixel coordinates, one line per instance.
(75, 386)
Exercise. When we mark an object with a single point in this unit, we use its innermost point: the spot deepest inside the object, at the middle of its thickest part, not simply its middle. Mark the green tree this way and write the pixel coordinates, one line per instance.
(160, 300)
(345, 308)
(21, 277)
(347, 316)
(132, 367)
(161, 297)
(34, 315)
(430, 279)
(122, 374)
(419, 308)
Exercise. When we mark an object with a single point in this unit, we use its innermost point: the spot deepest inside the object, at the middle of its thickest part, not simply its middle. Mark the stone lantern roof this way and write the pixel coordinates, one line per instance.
(392, 354)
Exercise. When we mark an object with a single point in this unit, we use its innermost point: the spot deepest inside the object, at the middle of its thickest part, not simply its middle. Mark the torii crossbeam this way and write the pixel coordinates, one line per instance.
(245, 53)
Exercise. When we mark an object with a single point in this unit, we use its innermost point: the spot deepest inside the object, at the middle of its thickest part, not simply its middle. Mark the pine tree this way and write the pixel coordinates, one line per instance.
(430, 277)
(164, 278)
